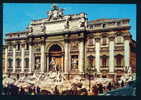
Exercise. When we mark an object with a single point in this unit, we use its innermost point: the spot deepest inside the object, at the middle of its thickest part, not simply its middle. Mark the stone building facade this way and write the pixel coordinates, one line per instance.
(71, 44)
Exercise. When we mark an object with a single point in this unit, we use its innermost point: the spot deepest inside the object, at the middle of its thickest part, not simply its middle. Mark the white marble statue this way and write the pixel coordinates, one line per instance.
(53, 64)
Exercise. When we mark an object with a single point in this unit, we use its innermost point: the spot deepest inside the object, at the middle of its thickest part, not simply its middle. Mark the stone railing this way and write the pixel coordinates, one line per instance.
(119, 48)
(26, 69)
(104, 49)
(10, 69)
(93, 28)
(17, 70)
(90, 49)
(104, 68)
(26, 52)
(18, 53)
(119, 68)
(10, 53)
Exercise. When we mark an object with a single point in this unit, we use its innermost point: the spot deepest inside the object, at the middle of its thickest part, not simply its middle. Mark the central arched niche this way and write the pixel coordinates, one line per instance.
(55, 49)
(56, 58)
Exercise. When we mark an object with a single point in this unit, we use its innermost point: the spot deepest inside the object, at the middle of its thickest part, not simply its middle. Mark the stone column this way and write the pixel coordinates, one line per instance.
(97, 55)
(62, 65)
(31, 59)
(6, 60)
(42, 58)
(127, 51)
(22, 57)
(14, 58)
(66, 56)
(111, 55)
(81, 56)
(47, 60)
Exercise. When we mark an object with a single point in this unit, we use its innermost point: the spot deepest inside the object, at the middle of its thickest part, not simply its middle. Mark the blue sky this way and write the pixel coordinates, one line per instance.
(16, 16)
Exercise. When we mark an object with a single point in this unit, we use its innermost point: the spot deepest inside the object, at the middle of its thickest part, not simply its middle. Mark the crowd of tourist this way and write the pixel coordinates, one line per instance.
(76, 89)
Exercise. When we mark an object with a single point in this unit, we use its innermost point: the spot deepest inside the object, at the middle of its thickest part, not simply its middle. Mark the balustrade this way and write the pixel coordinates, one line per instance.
(17, 70)
(104, 67)
(119, 68)
(10, 53)
(26, 52)
(18, 53)
(26, 69)
(10, 69)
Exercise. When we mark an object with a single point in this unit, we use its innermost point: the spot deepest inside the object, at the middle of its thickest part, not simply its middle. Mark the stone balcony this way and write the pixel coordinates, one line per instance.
(26, 52)
(9, 70)
(18, 53)
(117, 68)
(18, 70)
(104, 68)
(26, 70)
(97, 29)
(10, 53)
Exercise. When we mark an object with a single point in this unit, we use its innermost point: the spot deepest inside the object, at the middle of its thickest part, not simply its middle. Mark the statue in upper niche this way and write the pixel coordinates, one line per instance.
(55, 13)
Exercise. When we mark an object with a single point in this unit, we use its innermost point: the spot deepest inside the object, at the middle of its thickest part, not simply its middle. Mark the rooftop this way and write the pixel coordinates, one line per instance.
(106, 20)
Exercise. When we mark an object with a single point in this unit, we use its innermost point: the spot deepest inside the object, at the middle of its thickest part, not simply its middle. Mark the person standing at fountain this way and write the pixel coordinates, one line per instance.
(95, 90)
(37, 90)
(122, 83)
(109, 87)
(56, 91)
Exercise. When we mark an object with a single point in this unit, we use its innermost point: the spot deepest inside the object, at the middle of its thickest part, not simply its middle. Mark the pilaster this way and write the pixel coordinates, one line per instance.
(66, 55)
(6, 59)
(22, 57)
(97, 49)
(81, 56)
(127, 51)
(14, 58)
(42, 58)
(111, 54)
(31, 58)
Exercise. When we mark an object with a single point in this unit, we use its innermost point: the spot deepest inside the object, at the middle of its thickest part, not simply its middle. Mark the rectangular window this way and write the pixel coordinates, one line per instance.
(104, 41)
(27, 46)
(118, 23)
(91, 42)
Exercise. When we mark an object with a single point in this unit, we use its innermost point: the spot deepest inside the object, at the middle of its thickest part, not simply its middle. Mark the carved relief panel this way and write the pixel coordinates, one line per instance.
(37, 29)
(119, 39)
(74, 45)
(90, 42)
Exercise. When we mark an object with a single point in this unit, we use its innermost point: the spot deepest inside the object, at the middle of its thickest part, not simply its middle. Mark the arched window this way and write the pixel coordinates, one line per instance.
(26, 62)
(104, 41)
(104, 38)
(104, 59)
(10, 63)
(18, 62)
(119, 59)
(10, 48)
(91, 59)
(91, 63)
(18, 46)
(27, 46)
